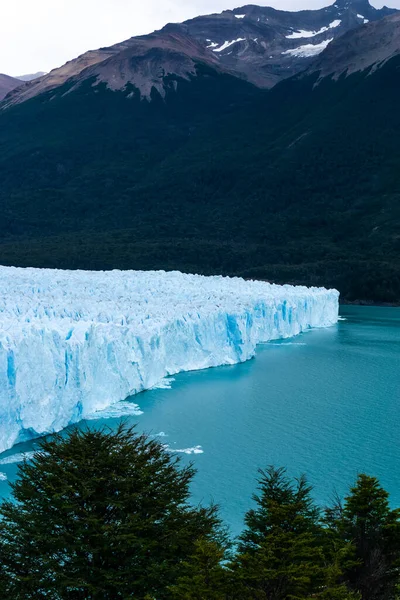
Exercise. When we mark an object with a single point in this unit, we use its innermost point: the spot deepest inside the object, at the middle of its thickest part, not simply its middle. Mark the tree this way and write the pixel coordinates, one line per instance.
(100, 515)
(281, 551)
(367, 521)
(203, 575)
(286, 551)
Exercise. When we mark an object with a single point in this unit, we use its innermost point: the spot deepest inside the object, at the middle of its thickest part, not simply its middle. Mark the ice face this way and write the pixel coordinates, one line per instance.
(75, 342)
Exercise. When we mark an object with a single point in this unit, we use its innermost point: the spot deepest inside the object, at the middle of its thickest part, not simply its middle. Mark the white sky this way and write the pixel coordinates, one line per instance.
(37, 35)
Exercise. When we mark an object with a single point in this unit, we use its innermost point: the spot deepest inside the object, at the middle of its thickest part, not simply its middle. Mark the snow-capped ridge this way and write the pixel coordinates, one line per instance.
(309, 34)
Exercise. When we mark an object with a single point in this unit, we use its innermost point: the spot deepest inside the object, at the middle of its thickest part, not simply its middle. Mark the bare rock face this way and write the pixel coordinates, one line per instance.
(142, 62)
(145, 62)
(7, 84)
(56, 77)
(368, 46)
(259, 44)
(267, 45)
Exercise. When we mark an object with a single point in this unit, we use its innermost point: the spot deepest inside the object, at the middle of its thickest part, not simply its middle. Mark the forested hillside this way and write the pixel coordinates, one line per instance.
(298, 184)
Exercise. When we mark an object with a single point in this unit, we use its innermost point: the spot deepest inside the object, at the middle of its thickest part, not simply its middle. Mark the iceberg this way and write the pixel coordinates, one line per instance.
(76, 342)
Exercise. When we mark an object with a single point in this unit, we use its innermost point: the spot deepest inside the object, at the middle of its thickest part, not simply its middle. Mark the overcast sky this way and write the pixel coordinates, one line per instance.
(37, 35)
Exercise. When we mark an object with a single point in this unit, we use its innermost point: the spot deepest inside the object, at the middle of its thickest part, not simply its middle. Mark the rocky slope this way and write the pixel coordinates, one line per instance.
(358, 50)
(7, 84)
(259, 44)
(141, 62)
(268, 45)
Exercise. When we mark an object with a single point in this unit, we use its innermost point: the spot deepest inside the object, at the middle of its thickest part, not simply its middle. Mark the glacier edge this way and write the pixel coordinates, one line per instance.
(75, 342)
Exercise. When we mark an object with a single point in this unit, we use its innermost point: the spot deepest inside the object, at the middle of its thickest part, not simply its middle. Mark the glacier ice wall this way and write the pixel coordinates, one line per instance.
(74, 342)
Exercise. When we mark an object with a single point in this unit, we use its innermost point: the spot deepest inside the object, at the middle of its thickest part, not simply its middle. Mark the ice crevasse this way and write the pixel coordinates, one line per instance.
(74, 342)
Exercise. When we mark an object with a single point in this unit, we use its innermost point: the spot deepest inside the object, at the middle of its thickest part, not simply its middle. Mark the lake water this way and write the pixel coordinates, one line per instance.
(326, 403)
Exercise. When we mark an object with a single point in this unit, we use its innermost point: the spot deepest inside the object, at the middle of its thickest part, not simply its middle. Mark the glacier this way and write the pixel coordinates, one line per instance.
(76, 342)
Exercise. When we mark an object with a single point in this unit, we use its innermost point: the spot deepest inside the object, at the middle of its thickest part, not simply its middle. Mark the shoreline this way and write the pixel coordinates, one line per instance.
(367, 303)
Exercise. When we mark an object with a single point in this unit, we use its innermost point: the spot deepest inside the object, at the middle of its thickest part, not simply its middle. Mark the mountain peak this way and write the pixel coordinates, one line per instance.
(352, 4)
(370, 46)
(257, 43)
(363, 8)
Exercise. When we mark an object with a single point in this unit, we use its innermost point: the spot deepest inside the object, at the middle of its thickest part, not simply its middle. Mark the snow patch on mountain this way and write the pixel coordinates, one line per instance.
(308, 50)
(227, 44)
(73, 343)
(309, 34)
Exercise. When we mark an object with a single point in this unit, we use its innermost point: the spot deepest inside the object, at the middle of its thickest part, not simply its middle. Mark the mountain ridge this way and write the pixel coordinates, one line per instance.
(7, 84)
(295, 184)
(379, 41)
(259, 44)
(275, 44)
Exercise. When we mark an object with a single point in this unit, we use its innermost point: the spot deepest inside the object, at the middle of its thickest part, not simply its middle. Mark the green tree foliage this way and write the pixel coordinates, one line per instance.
(203, 575)
(100, 515)
(284, 553)
(299, 184)
(367, 521)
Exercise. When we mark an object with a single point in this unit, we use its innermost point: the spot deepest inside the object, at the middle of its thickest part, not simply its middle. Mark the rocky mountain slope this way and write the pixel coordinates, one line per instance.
(7, 84)
(268, 45)
(31, 76)
(296, 184)
(259, 44)
(141, 62)
(360, 49)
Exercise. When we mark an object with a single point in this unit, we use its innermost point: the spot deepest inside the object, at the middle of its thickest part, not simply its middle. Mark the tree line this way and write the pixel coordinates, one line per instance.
(106, 515)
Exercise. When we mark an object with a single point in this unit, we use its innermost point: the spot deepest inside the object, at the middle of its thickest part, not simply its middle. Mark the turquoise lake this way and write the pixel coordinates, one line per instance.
(326, 403)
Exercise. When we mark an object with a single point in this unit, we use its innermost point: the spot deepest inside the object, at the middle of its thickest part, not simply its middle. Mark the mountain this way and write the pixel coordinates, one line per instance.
(357, 50)
(268, 45)
(259, 44)
(7, 84)
(155, 154)
(142, 62)
(31, 76)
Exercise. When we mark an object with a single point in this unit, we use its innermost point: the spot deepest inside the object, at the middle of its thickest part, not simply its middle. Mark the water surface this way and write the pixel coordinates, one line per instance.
(326, 403)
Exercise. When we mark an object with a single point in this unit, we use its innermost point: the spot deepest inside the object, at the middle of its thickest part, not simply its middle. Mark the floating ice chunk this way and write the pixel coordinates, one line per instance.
(116, 411)
(73, 343)
(164, 384)
(3, 477)
(17, 458)
(284, 344)
(194, 450)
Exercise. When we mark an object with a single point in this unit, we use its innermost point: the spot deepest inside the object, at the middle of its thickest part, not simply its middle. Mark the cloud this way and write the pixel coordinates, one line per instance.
(42, 34)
